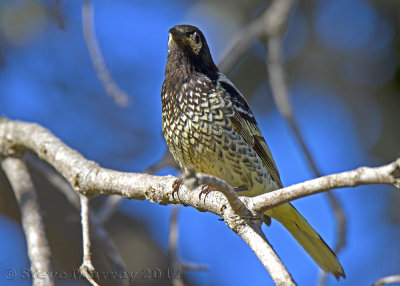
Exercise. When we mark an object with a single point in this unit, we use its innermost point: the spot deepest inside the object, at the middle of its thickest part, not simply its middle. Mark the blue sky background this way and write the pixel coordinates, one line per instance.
(47, 77)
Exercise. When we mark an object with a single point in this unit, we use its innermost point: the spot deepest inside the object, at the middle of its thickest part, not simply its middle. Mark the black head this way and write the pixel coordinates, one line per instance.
(188, 42)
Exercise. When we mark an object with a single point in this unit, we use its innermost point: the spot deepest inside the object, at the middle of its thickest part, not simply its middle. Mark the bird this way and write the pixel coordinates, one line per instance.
(210, 128)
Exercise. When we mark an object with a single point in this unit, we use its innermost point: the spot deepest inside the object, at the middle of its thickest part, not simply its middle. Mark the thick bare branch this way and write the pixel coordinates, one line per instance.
(255, 238)
(112, 89)
(32, 222)
(195, 179)
(112, 203)
(88, 178)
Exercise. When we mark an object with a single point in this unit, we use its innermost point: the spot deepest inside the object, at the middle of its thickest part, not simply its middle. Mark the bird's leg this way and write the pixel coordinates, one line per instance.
(176, 185)
(266, 219)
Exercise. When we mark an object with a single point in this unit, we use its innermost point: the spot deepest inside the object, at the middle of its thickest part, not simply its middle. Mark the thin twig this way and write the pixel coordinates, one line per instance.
(387, 174)
(278, 83)
(108, 208)
(387, 280)
(32, 222)
(172, 245)
(112, 89)
(87, 267)
(166, 161)
(110, 250)
(99, 234)
(173, 234)
(193, 266)
(58, 11)
(174, 261)
(341, 230)
(53, 178)
(271, 22)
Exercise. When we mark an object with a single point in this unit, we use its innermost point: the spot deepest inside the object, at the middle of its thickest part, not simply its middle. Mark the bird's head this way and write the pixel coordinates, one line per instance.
(188, 42)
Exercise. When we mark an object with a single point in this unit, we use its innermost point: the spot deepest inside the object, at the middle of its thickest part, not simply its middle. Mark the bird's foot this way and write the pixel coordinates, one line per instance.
(205, 190)
(175, 186)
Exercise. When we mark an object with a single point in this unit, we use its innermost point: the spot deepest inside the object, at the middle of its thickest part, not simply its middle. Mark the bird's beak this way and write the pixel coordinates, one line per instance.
(177, 36)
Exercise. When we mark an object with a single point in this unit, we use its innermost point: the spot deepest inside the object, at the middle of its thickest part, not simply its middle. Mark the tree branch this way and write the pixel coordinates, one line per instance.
(88, 178)
(172, 245)
(32, 222)
(270, 23)
(280, 93)
(99, 233)
(111, 88)
(112, 203)
(387, 280)
(58, 12)
(193, 180)
(174, 261)
(387, 174)
(87, 267)
(255, 238)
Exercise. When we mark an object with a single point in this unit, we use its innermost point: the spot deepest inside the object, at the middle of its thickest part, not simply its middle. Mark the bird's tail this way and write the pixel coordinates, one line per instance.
(309, 239)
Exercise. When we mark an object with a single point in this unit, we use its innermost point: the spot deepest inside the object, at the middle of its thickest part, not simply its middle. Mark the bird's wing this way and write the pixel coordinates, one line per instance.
(245, 124)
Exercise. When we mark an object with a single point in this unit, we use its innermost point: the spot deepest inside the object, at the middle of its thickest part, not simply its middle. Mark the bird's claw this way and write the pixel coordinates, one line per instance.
(223, 207)
(175, 186)
(205, 189)
(266, 219)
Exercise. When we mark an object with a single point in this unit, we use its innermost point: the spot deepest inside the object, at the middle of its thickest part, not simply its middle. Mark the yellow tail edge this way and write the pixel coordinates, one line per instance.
(308, 238)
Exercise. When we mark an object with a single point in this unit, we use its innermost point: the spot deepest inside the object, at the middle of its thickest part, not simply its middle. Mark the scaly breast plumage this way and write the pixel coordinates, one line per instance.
(194, 130)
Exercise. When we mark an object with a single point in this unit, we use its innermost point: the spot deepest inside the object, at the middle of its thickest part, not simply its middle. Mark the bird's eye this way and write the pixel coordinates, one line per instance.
(196, 38)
